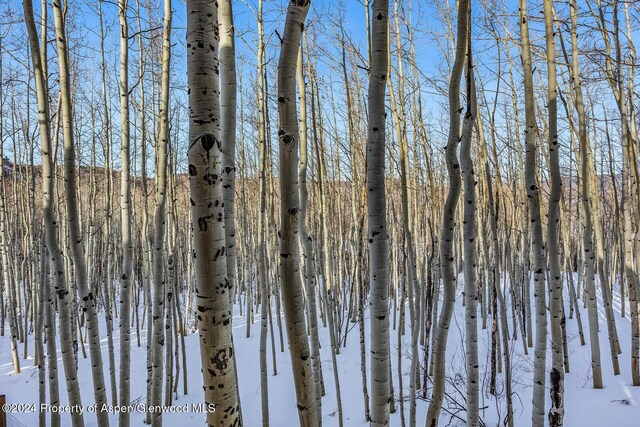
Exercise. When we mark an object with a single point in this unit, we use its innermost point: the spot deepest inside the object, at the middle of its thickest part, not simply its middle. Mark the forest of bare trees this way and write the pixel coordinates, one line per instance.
(338, 213)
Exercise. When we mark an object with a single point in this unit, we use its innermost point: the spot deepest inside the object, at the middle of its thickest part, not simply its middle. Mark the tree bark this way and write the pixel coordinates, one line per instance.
(76, 244)
(288, 137)
(556, 376)
(537, 243)
(469, 238)
(447, 234)
(305, 239)
(376, 206)
(586, 203)
(160, 219)
(125, 218)
(207, 215)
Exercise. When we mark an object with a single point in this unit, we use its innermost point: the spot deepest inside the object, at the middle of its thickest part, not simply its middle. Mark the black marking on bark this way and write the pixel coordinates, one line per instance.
(220, 360)
(208, 141)
(210, 178)
(288, 139)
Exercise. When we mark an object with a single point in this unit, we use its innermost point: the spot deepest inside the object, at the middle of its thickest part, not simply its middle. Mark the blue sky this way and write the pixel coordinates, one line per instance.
(323, 20)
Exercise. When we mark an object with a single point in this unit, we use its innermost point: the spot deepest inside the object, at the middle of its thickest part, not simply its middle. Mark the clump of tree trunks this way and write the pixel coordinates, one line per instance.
(326, 184)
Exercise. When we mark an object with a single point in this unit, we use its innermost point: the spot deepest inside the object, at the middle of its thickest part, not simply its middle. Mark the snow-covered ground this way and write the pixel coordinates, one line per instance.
(615, 405)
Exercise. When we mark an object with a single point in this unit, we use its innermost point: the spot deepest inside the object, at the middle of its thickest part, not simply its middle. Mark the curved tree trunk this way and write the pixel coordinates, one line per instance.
(51, 232)
(86, 296)
(447, 236)
(288, 137)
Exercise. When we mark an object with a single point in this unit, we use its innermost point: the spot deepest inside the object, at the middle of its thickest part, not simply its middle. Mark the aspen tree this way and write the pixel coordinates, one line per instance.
(469, 237)
(4, 248)
(39, 329)
(288, 136)
(106, 235)
(629, 170)
(332, 123)
(52, 360)
(125, 208)
(160, 219)
(556, 376)
(328, 288)
(305, 239)
(376, 207)
(145, 241)
(447, 235)
(228, 96)
(261, 244)
(599, 237)
(207, 214)
(493, 207)
(410, 263)
(77, 250)
(573, 297)
(168, 323)
(497, 274)
(50, 225)
(537, 243)
(525, 301)
(634, 174)
(586, 203)
(228, 126)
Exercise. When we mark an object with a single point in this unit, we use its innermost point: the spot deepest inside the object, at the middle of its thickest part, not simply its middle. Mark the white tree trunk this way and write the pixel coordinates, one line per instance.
(158, 296)
(556, 376)
(447, 236)
(586, 205)
(125, 215)
(86, 296)
(469, 231)
(533, 196)
(207, 213)
(288, 136)
(376, 205)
